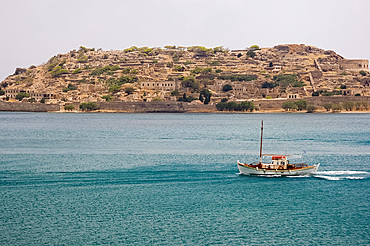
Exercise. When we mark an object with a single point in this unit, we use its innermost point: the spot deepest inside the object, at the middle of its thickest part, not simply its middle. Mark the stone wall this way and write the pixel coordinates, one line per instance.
(317, 101)
(28, 107)
(354, 65)
(143, 107)
(155, 107)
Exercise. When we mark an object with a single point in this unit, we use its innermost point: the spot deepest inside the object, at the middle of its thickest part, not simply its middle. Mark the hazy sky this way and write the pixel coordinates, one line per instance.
(32, 31)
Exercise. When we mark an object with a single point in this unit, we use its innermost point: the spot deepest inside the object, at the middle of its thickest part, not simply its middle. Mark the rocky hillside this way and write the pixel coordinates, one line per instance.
(188, 73)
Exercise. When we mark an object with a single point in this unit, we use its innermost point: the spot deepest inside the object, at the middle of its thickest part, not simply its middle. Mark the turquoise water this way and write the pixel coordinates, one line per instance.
(172, 179)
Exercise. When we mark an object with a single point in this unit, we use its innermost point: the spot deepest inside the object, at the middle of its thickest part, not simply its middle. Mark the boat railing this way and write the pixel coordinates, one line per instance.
(300, 164)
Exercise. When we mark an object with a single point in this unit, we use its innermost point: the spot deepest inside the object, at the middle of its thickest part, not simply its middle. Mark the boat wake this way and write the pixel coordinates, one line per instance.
(342, 175)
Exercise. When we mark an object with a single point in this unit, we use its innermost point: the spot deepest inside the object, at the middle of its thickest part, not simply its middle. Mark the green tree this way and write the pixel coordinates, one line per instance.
(57, 70)
(224, 100)
(196, 70)
(201, 98)
(131, 49)
(251, 53)
(52, 63)
(126, 70)
(76, 71)
(157, 99)
(190, 82)
(129, 90)
(311, 108)
(21, 95)
(127, 79)
(184, 98)
(107, 98)
(114, 88)
(363, 73)
(358, 105)
(175, 93)
(255, 47)
(238, 77)
(178, 68)
(227, 88)
(233, 106)
(82, 59)
(70, 87)
(207, 96)
(82, 49)
(284, 80)
(364, 104)
(201, 51)
(269, 85)
(221, 106)
(328, 106)
(69, 107)
(245, 106)
(215, 63)
(2, 92)
(348, 105)
(289, 106)
(219, 49)
(301, 104)
(4, 84)
(88, 106)
(336, 107)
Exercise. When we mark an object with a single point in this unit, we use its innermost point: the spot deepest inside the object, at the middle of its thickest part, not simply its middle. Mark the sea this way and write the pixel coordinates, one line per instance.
(172, 179)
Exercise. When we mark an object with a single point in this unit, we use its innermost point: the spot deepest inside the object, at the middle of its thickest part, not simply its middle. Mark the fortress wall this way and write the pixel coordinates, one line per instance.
(198, 108)
(28, 107)
(156, 107)
(317, 101)
(354, 65)
(143, 107)
(173, 107)
(320, 101)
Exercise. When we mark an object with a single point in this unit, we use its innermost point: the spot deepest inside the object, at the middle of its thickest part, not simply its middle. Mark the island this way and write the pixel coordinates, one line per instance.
(284, 78)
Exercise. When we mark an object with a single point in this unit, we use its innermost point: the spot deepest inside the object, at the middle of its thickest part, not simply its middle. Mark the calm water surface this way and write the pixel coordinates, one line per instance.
(172, 179)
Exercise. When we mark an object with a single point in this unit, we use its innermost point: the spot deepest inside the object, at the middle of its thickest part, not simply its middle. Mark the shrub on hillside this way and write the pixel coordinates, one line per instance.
(21, 95)
(284, 80)
(227, 88)
(107, 98)
(238, 77)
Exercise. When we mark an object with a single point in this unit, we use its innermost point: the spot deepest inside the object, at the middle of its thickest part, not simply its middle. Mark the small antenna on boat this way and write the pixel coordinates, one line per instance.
(261, 142)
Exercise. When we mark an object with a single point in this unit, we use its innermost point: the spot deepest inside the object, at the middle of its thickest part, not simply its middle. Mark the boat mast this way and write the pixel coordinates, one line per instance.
(261, 143)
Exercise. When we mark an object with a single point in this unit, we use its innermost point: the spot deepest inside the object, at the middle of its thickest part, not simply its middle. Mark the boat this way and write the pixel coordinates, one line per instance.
(279, 165)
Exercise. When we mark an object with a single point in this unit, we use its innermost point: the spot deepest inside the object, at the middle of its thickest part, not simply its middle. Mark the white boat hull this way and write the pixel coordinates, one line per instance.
(246, 170)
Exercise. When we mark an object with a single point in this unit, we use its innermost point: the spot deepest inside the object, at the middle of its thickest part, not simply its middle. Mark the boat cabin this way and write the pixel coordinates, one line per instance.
(277, 162)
